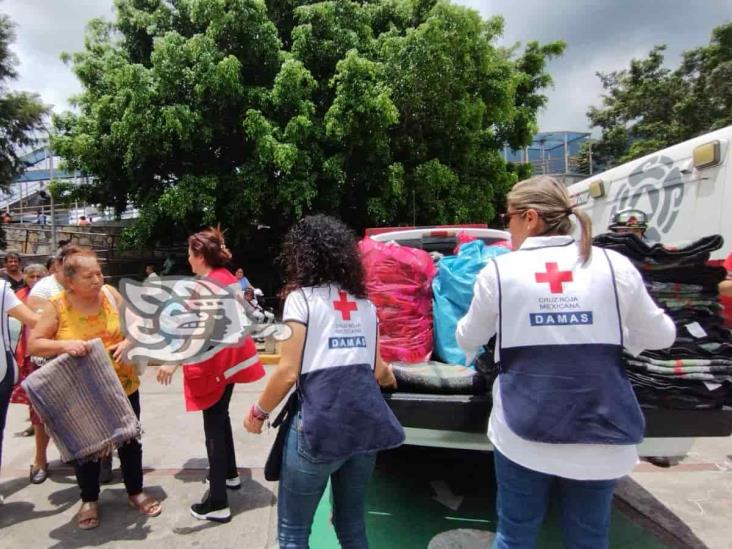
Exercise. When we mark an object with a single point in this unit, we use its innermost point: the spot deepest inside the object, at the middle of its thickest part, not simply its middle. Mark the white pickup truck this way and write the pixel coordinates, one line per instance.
(461, 421)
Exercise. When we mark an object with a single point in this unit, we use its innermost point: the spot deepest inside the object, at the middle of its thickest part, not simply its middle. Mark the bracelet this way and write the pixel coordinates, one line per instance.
(258, 413)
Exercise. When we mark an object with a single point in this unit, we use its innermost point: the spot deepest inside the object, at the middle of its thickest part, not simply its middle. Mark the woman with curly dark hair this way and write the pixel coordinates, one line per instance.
(332, 355)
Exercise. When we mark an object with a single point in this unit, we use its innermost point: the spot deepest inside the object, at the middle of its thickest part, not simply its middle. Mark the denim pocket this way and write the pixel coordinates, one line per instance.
(303, 449)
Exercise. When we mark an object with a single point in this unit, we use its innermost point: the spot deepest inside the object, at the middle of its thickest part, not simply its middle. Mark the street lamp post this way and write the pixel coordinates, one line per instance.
(50, 194)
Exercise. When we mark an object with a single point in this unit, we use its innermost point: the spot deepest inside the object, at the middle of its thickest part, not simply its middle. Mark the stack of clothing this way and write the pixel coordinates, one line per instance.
(696, 372)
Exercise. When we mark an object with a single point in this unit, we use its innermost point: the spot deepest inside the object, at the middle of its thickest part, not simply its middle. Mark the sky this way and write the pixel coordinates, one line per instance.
(601, 35)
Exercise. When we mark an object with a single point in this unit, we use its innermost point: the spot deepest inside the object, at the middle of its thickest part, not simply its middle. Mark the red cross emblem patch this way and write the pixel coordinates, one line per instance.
(344, 306)
(554, 277)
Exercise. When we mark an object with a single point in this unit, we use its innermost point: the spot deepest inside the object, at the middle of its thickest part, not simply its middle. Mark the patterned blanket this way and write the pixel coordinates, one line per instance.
(718, 371)
(82, 404)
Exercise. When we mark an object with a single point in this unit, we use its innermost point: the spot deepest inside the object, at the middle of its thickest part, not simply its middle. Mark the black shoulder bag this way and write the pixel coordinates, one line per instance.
(283, 421)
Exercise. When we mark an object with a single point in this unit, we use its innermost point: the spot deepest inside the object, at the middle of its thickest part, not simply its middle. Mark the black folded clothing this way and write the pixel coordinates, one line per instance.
(678, 392)
(681, 350)
(695, 372)
(681, 317)
(677, 400)
(639, 251)
(697, 274)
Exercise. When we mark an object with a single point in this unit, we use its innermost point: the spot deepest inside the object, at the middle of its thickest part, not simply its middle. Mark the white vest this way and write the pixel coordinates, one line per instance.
(343, 412)
(548, 288)
(341, 330)
(560, 347)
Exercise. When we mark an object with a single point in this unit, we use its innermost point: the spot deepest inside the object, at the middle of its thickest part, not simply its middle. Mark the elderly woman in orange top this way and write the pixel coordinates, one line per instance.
(86, 310)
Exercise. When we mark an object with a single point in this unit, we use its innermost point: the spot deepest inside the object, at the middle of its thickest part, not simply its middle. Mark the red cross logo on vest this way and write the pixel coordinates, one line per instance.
(554, 277)
(345, 306)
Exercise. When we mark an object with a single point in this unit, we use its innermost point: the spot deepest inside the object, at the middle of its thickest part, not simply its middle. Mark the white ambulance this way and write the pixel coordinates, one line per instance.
(686, 191)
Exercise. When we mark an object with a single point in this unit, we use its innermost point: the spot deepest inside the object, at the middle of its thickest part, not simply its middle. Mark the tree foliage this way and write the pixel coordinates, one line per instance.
(20, 112)
(246, 112)
(649, 106)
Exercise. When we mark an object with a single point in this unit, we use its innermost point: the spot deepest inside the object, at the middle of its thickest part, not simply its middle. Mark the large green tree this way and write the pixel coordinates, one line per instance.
(649, 106)
(245, 112)
(20, 112)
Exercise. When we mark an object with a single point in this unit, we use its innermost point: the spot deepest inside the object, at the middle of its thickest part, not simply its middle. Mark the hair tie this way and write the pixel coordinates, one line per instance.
(569, 211)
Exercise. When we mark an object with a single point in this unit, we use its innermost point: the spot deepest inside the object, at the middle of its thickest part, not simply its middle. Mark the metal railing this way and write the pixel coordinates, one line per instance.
(35, 235)
(575, 165)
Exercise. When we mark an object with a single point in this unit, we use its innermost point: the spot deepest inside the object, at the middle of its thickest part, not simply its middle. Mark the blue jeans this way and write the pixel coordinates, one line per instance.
(302, 482)
(523, 494)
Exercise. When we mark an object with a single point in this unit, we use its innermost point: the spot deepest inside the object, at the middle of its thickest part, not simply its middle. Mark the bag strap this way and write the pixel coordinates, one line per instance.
(110, 298)
(5, 335)
(3, 328)
(2, 315)
(290, 406)
(5, 323)
(305, 343)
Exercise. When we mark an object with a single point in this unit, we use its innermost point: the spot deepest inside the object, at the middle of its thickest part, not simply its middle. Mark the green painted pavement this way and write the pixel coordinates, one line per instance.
(403, 514)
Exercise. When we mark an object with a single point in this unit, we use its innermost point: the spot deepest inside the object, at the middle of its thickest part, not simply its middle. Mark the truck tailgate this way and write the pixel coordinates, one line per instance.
(469, 413)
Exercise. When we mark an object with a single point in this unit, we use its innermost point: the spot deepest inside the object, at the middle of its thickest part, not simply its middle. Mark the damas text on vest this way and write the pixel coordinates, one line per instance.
(560, 319)
(346, 342)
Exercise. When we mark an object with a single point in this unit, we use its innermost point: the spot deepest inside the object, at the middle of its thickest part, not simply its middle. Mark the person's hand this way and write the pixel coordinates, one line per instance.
(76, 347)
(252, 424)
(388, 381)
(118, 350)
(165, 373)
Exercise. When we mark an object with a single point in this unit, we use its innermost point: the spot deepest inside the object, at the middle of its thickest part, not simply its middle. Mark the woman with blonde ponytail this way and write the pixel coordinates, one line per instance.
(564, 415)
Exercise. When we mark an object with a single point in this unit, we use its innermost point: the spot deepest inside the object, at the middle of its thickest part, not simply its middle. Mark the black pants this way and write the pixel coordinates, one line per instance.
(130, 457)
(6, 389)
(219, 447)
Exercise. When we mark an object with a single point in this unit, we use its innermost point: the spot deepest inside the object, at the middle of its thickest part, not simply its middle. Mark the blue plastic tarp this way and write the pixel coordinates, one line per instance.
(453, 291)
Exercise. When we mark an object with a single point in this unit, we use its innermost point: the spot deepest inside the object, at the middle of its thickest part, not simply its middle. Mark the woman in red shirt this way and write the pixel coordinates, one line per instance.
(208, 384)
(39, 469)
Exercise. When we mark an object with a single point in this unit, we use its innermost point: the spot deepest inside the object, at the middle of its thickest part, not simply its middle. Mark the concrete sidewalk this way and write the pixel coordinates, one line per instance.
(174, 456)
(688, 505)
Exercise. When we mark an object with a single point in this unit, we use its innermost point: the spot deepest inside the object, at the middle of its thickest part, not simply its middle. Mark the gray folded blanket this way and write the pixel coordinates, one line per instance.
(82, 404)
(438, 378)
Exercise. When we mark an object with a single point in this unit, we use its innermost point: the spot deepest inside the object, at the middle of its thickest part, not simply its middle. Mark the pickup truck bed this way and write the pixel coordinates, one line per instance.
(461, 421)
(469, 413)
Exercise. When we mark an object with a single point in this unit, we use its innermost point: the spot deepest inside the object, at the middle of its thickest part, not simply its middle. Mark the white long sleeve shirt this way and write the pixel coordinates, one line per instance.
(645, 326)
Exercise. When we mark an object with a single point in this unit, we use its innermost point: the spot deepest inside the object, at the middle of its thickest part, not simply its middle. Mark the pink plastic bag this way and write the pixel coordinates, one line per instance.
(399, 283)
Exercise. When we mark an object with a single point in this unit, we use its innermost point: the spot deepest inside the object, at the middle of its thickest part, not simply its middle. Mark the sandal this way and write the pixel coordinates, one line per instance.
(149, 506)
(29, 432)
(88, 516)
(38, 476)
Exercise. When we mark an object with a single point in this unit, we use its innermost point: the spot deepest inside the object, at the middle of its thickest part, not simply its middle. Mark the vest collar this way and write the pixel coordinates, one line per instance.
(534, 242)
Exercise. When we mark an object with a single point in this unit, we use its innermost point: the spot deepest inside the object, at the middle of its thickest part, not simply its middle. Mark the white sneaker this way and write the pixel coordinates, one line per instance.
(205, 511)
